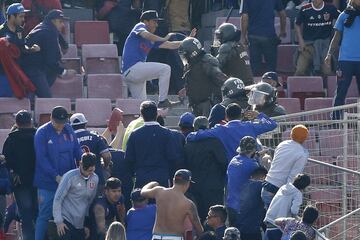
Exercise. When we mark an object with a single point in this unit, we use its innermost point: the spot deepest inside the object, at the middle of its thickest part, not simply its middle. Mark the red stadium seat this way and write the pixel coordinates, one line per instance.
(9, 106)
(96, 110)
(68, 87)
(91, 32)
(106, 86)
(291, 105)
(100, 58)
(71, 52)
(43, 106)
(130, 107)
(285, 58)
(305, 87)
(318, 103)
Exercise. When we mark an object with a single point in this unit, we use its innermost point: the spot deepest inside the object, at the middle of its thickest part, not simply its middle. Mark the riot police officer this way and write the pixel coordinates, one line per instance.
(232, 56)
(233, 91)
(263, 97)
(203, 77)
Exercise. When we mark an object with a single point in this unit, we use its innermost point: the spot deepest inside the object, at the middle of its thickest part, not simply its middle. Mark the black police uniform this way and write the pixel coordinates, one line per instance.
(203, 81)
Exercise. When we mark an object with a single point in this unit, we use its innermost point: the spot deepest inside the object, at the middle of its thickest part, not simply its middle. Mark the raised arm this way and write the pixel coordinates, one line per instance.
(150, 190)
(264, 124)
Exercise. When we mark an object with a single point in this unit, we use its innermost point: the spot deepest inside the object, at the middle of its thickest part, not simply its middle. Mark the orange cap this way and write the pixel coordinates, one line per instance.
(299, 133)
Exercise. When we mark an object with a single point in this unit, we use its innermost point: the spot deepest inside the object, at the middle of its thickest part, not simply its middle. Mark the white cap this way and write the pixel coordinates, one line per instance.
(77, 119)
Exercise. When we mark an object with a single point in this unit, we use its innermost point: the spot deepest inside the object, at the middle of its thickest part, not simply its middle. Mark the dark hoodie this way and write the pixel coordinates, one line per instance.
(48, 58)
(20, 154)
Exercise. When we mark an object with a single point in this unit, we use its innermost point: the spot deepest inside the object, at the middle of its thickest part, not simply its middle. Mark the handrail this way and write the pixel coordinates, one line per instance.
(301, 114)
(338, 220)
(334, 166)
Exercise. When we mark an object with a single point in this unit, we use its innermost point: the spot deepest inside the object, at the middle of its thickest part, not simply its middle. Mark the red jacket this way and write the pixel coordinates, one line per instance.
(38, 11)
(19, 82)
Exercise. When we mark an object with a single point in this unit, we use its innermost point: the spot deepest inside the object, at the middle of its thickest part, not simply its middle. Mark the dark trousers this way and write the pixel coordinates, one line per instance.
(251, 236)
(346, 70)
(42, 80)
(205, 198)
(26, 200)
(73, 233)
(263, 46)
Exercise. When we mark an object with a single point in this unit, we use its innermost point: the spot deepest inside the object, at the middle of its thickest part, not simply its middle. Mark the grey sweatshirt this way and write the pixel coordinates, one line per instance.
(73, 198)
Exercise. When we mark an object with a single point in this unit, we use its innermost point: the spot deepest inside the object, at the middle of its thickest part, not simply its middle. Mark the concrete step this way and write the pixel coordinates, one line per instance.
(173, 98)
(171, 121)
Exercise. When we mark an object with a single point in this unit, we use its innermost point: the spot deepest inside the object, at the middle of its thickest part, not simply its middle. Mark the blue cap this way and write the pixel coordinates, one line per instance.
(16, 8)
(186, 120)
(55, 14)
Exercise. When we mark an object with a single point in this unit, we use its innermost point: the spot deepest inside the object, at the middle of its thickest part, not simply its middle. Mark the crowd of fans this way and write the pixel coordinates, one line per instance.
(210, 180)
(165, 184)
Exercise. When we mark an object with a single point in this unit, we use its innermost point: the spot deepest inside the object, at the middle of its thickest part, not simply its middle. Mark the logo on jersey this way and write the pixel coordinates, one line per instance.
(326, 16)
(92, 185)
(50, 142)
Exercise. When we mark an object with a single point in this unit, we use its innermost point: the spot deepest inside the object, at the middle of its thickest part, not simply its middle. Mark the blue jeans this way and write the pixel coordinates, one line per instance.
(42, 81)
(45, 198)
(346, 70)
(266, 196)
(26, 201)
(263, 46)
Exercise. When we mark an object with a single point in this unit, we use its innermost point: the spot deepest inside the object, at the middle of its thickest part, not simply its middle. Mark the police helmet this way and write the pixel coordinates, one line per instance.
(226, 32)
(190, 47)
(247, 145)
(233, 87)
(262, 94)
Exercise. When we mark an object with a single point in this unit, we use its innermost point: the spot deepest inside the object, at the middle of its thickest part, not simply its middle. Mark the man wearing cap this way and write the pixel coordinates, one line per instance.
(137, 46)
(12, 31)
(20, 160)
(172, 207)
(151, 151)
(57, 151)
(238, 175)
(290, 158)
(95, 144)
(186, 123)
(104, 210)
(45, 66)
(140, 218)
(272, 79)
(206, 160)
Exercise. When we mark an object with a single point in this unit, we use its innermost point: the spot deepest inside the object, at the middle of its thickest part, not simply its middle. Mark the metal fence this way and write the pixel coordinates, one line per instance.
(334, 166)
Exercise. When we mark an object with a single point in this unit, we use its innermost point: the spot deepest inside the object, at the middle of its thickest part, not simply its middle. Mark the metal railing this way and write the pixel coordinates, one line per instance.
(333, 165)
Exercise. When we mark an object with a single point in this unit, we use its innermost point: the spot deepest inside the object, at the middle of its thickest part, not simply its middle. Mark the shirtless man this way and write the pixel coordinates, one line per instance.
(172, 207)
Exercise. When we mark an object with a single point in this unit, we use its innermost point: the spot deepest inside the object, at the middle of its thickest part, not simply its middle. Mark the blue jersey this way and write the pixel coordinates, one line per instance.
(317, 23)
(96, 145)
(238, 175)
(136, 48)
(231, 133)
(140, 222)
(349, 48)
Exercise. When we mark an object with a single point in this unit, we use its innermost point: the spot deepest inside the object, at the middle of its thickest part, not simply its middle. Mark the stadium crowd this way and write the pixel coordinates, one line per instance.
(212, 179)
